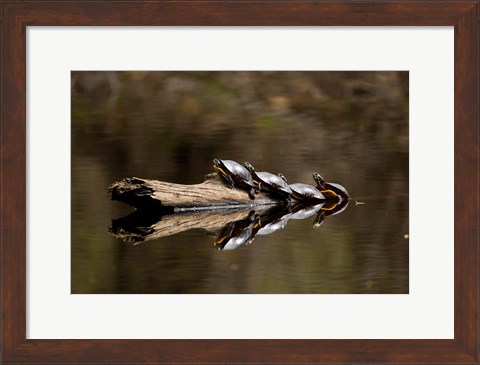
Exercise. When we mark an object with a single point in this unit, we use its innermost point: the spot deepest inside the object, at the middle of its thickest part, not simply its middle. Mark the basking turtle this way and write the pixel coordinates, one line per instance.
(304, 191)
(330, 190)
(270, 183)
(236, 174)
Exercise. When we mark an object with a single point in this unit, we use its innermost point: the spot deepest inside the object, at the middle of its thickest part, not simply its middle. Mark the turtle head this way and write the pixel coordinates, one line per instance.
(249, 167)
(319, 180)
(217, 163)
(282, 177)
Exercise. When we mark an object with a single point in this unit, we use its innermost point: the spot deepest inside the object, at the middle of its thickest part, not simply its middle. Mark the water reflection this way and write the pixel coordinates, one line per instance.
(236, 234)
(231, 228)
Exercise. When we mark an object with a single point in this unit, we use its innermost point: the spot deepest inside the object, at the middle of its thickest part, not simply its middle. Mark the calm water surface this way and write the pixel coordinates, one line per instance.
(350, 127)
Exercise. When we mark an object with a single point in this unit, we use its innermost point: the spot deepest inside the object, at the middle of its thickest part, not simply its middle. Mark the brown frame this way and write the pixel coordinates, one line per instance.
(16, 16)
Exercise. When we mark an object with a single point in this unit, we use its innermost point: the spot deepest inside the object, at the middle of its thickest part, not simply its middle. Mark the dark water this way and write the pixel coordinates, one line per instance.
(352, 127)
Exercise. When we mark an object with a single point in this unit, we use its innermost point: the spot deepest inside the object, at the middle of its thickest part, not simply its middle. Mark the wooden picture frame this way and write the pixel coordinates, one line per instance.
(16, 16)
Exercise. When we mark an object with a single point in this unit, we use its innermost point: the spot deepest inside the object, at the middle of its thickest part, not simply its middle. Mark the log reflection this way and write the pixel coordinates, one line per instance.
(231, 228)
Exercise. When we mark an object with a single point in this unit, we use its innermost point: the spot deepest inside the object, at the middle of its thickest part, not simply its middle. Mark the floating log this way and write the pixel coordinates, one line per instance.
(213, 193)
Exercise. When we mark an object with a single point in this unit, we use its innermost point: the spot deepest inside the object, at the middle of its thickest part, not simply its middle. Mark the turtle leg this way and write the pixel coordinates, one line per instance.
(229, 180)
(251, 193)
(258, 188)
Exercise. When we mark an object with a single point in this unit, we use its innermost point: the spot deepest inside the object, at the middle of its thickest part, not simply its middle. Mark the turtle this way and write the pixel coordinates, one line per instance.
(236, 175)
(270, 183)
(304, 191)
(236, 234)
(330, 190)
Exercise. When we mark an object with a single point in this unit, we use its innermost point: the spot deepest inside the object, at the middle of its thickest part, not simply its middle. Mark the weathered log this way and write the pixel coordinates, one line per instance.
(213, 193)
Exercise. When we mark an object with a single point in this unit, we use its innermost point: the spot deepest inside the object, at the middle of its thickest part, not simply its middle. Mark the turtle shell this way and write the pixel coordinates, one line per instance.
(238, 173)
(272, 182)
(306, 192)
(338, 189)
(237, 170)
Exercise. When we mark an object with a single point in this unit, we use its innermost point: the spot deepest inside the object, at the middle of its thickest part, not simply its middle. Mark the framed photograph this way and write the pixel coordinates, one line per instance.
(238, 182)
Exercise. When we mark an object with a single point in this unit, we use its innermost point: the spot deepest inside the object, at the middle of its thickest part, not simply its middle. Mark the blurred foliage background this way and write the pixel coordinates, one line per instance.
(352, 127)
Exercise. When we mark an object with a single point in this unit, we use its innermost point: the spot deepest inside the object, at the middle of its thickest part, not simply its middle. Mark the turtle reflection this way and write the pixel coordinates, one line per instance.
(236, 234)
(330, 208)
(232, 228)
(274, 221)
(303, 211)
